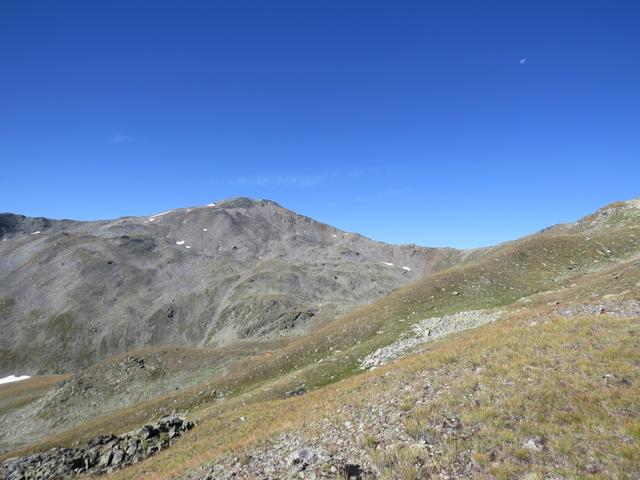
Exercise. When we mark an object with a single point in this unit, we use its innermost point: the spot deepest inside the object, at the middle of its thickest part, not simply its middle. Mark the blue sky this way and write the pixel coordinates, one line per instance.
(431, 122)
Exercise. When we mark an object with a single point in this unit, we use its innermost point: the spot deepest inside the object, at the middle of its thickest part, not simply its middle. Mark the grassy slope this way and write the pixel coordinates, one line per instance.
(14, 395)
(507, 382)
(546, 262)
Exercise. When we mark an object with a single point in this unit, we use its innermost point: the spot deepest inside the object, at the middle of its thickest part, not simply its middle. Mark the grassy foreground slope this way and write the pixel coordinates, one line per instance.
(539, 394)
(488, 388)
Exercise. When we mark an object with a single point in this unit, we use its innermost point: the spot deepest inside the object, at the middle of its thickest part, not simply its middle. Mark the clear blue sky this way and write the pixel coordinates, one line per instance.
(433, 122)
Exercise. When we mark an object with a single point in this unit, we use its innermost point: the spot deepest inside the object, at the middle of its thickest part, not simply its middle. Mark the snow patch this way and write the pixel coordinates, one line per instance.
(388, 264)
(153, 217)
(13, 378)
(204, 230)
(406, 268)
(211, 205)
(180, 242)
(35, 233)
(187, 246)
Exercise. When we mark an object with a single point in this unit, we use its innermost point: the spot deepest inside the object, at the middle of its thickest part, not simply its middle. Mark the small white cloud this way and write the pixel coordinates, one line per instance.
(523, 61)
(119, 138)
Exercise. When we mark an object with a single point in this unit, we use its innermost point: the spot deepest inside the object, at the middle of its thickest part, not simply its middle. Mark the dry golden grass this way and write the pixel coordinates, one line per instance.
(507, 383)
(537, 266)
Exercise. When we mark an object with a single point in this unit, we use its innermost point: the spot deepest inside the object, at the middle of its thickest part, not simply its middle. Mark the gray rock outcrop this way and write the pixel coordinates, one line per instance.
(100, 455)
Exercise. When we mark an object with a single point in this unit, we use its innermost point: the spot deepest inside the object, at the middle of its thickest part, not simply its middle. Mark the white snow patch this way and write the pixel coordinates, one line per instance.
(211, 205)
(204, 230)
(406, 268)
(388, 264)
(35, 233)
(13, 378)
(153, 217)
(187, 246)
(180, 242)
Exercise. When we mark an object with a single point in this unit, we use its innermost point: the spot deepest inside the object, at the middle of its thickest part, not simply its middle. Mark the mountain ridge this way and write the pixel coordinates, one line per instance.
(208, 275)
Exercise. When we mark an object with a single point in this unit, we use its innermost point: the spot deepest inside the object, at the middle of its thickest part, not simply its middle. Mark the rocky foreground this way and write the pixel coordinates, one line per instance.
(102, 454)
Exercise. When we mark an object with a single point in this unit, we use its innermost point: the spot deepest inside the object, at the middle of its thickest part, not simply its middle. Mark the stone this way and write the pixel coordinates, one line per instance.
(148, 431)
(300, 459)
(102, 454)
(299, 390)
(105, 459)
(532, 445)
(118, 456)
(352, 470)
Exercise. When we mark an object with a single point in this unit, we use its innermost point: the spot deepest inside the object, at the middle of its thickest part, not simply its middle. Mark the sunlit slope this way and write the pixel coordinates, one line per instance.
(74, 293)
(558, 260)
(547, 391)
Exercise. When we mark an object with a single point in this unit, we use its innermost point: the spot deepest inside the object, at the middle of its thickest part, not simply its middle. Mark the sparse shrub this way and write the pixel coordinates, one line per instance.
(369, 441)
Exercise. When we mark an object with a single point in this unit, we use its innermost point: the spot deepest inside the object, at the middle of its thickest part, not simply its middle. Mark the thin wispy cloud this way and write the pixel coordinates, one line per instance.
(299, 180)
(523, 61)
(394, 192)
(120, 138)
(302, 181)
(361, 172)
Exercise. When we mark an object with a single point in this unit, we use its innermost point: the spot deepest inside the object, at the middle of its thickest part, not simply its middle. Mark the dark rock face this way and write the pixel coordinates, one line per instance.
(11, 224)
(74, 293)
(102, 454)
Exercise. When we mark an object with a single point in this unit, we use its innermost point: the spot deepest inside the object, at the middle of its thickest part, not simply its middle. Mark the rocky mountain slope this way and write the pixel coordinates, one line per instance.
(520, 360)
(72, 293)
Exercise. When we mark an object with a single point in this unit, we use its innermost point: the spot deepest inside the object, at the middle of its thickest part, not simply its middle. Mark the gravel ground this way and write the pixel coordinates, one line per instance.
(427, 330)
(624, 309)
(337, 447)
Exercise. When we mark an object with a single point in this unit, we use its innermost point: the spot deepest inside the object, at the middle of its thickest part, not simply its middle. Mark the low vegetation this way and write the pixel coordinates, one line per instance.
(537, 394)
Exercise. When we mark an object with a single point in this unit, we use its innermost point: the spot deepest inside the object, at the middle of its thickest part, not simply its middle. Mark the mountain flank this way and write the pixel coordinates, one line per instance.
(73, 293)
(517, 361)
